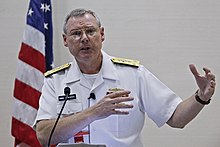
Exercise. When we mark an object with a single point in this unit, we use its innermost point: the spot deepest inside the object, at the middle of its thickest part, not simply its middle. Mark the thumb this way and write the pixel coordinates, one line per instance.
(193, 70)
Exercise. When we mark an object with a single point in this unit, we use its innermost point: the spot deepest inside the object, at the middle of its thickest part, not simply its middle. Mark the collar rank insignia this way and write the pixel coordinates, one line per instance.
(128, 62)
(57, 69)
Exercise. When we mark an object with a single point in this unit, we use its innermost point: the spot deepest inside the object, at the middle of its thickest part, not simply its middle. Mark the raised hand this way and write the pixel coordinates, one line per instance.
(206, 83)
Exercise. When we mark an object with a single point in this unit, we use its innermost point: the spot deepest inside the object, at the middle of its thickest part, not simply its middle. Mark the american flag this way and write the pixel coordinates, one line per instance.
(35, 57)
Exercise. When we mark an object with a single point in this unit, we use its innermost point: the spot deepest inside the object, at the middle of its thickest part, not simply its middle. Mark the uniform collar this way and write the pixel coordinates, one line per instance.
(108, 70)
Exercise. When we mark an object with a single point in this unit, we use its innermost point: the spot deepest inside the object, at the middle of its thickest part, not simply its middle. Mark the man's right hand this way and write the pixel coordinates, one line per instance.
(112, 104)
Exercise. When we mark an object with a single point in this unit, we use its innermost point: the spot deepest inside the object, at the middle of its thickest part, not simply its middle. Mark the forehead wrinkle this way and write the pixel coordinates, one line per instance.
(81, 22)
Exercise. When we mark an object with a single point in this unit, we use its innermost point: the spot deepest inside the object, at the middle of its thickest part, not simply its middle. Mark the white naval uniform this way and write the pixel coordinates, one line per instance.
(151, 96)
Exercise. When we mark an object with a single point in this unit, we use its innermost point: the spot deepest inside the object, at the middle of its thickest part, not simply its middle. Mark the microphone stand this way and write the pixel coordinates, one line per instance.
(66, 92)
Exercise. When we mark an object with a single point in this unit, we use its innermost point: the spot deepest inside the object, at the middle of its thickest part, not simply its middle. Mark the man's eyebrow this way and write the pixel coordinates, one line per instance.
(87, 27)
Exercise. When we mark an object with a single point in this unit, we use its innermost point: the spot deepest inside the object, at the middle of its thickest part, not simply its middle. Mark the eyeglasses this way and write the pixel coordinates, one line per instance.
(77, 34)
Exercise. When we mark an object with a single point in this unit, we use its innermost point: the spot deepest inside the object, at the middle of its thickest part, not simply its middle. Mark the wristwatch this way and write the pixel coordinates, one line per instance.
(198, 99)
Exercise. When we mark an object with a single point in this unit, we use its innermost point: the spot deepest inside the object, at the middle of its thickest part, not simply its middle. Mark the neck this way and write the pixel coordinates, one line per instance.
(91, 67)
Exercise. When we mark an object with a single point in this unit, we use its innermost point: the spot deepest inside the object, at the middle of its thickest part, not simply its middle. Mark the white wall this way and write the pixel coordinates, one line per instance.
(165, 36)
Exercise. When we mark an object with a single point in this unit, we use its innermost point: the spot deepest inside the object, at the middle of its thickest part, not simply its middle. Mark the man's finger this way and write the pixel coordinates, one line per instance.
(121, 99)
(211, 76)
(206, 70)
(118, 93)
(122, 106)
(193, 70)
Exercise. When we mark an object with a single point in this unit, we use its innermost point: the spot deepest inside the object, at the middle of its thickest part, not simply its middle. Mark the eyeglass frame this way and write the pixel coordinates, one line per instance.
(73, 33)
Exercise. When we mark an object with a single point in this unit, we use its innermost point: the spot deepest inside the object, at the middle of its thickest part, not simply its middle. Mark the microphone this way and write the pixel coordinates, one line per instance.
(67, 93)
(92, 96)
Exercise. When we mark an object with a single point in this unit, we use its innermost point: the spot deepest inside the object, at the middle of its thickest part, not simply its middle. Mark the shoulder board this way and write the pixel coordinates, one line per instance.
(57, 69)
(128, 62)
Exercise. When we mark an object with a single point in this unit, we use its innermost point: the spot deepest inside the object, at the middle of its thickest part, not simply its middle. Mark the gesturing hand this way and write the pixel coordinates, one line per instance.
(206, 83)
(112, 103)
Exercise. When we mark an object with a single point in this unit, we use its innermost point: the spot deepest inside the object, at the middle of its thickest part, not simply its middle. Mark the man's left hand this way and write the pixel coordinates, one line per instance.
(206, 83)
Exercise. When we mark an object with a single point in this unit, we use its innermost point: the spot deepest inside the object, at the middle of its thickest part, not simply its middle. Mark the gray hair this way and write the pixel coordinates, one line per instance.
(79, 13)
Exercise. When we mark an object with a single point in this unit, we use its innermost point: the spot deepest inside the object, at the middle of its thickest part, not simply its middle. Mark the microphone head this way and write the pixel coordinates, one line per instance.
(66, 90)
(92, 96)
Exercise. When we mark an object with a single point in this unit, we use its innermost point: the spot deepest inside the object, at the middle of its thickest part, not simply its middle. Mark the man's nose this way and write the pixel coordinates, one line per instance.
(84, 37)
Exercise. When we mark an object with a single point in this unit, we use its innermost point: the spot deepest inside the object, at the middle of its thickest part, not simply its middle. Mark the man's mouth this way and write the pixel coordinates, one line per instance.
(85, 48)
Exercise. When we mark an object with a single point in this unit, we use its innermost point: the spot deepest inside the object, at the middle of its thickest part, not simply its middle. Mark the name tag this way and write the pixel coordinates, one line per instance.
(70, 97)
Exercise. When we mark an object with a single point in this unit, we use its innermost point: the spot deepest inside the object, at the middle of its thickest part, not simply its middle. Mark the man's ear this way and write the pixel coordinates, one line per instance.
(64, 40)
(102, 31)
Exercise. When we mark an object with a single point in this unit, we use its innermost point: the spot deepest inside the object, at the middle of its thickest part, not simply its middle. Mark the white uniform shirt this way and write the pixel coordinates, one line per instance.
(151, 96)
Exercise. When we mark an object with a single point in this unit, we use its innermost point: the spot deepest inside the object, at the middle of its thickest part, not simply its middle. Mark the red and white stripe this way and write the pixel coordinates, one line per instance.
(27, 87)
